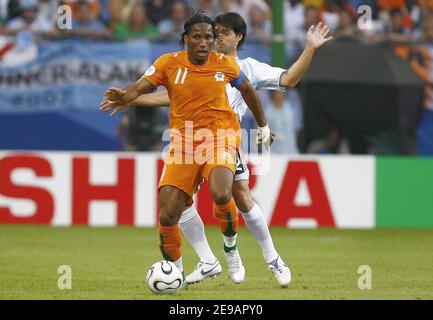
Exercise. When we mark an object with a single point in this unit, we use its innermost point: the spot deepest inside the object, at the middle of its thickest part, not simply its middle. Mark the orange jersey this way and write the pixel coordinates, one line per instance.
(197, 92)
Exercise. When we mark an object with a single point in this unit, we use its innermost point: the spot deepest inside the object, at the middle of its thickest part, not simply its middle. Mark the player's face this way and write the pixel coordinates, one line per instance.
(199, 42)
(227, 40)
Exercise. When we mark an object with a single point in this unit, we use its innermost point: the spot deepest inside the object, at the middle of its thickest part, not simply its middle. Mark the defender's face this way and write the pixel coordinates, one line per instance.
(227, 40)
(199, 42)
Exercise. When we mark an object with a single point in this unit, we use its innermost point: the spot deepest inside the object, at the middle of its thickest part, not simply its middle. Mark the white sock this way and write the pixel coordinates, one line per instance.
(193, 228)
(258, 226)
(230, 241)
(179, 264)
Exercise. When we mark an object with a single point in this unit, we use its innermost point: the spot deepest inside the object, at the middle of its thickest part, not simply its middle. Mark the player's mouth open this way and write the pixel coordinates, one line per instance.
(202, 54)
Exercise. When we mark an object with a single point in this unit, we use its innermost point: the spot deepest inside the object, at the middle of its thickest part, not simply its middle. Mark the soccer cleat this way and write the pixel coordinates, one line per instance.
(204, 270)
(235, 266)
(281, 271)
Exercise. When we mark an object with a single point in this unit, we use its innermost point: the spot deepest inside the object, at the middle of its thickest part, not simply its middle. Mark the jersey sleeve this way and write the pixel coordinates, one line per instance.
(233, 72)
(263, 76)
(235, 83)
(156, 73)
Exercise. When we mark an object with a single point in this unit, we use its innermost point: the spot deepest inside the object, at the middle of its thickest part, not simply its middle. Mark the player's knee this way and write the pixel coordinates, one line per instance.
(244, 203)
(171, 205)
(167, 221)
(221, 197)
(243, 200)
(168, 217)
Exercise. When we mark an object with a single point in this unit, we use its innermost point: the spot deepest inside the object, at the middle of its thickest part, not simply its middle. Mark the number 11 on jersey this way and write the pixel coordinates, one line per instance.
(179, 75)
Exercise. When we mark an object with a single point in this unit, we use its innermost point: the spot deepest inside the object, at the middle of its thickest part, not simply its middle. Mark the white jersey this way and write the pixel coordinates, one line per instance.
(262, 77)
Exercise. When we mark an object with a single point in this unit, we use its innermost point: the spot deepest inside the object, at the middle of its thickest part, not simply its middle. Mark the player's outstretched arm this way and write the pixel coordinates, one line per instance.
(136, 89)
(316, 37)
(253, 101)
(156, 99)
(118, 99)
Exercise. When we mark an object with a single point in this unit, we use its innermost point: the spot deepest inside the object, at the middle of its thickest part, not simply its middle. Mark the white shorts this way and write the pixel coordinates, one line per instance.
(242, 172)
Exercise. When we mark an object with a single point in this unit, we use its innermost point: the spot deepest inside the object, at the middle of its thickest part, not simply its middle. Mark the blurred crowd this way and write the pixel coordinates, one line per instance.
(395, 20)
(121, 19)
(25, 22)
(404, 21)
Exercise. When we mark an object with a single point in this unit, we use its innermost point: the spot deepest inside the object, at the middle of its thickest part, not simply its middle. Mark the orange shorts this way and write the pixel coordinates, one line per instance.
(186, 176)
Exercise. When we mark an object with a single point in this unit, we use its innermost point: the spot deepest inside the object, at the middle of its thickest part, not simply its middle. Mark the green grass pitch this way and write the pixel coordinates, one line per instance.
(110, 263)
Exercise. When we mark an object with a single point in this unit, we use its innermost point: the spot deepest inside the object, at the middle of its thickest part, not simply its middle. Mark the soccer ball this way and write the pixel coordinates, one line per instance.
(164, 277)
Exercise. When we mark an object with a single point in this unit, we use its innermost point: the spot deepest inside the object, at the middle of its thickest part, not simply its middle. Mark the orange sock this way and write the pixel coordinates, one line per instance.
(227, 215)
(170, 242)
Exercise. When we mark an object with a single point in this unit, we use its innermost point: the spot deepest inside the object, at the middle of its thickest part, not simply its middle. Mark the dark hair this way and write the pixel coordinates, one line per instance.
(235, 22)
(198, 16)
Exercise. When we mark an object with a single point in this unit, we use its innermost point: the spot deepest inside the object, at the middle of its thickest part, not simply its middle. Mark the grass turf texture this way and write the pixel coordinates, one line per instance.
(110, 263)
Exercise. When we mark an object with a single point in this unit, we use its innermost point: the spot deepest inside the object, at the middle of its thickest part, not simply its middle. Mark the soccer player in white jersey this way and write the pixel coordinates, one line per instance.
(231, 32)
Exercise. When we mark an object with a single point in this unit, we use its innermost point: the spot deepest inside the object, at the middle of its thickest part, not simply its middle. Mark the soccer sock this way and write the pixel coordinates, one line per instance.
(227, 215)
(258, 226)
(229, 242)
(193, 228)
(170, 241)
(179, 264)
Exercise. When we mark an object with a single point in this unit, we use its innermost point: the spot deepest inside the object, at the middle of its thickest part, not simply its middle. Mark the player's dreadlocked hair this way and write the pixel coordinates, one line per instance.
(199, 16)
(235, 22)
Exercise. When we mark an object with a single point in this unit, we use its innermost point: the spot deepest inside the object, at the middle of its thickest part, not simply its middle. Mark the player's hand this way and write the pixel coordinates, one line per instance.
(264, 136)
(113, 101)
(115, 94)
(272, 138)
(112, 107)
(316, 35)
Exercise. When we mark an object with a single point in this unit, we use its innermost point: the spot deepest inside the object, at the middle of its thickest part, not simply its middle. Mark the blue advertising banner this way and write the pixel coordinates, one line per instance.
(71, 75)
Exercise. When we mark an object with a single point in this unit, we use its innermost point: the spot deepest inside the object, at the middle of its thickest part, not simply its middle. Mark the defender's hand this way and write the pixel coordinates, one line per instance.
(264, 136)
(272, 138)
(112, 106)
(316, 35)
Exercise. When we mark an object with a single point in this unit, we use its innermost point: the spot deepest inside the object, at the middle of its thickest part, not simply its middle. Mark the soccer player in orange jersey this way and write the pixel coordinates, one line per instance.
(196, 81)
(231, 32)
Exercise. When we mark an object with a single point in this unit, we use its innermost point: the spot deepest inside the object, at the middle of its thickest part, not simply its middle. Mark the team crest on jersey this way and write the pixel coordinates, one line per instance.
(150, 71)
(219, 76)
